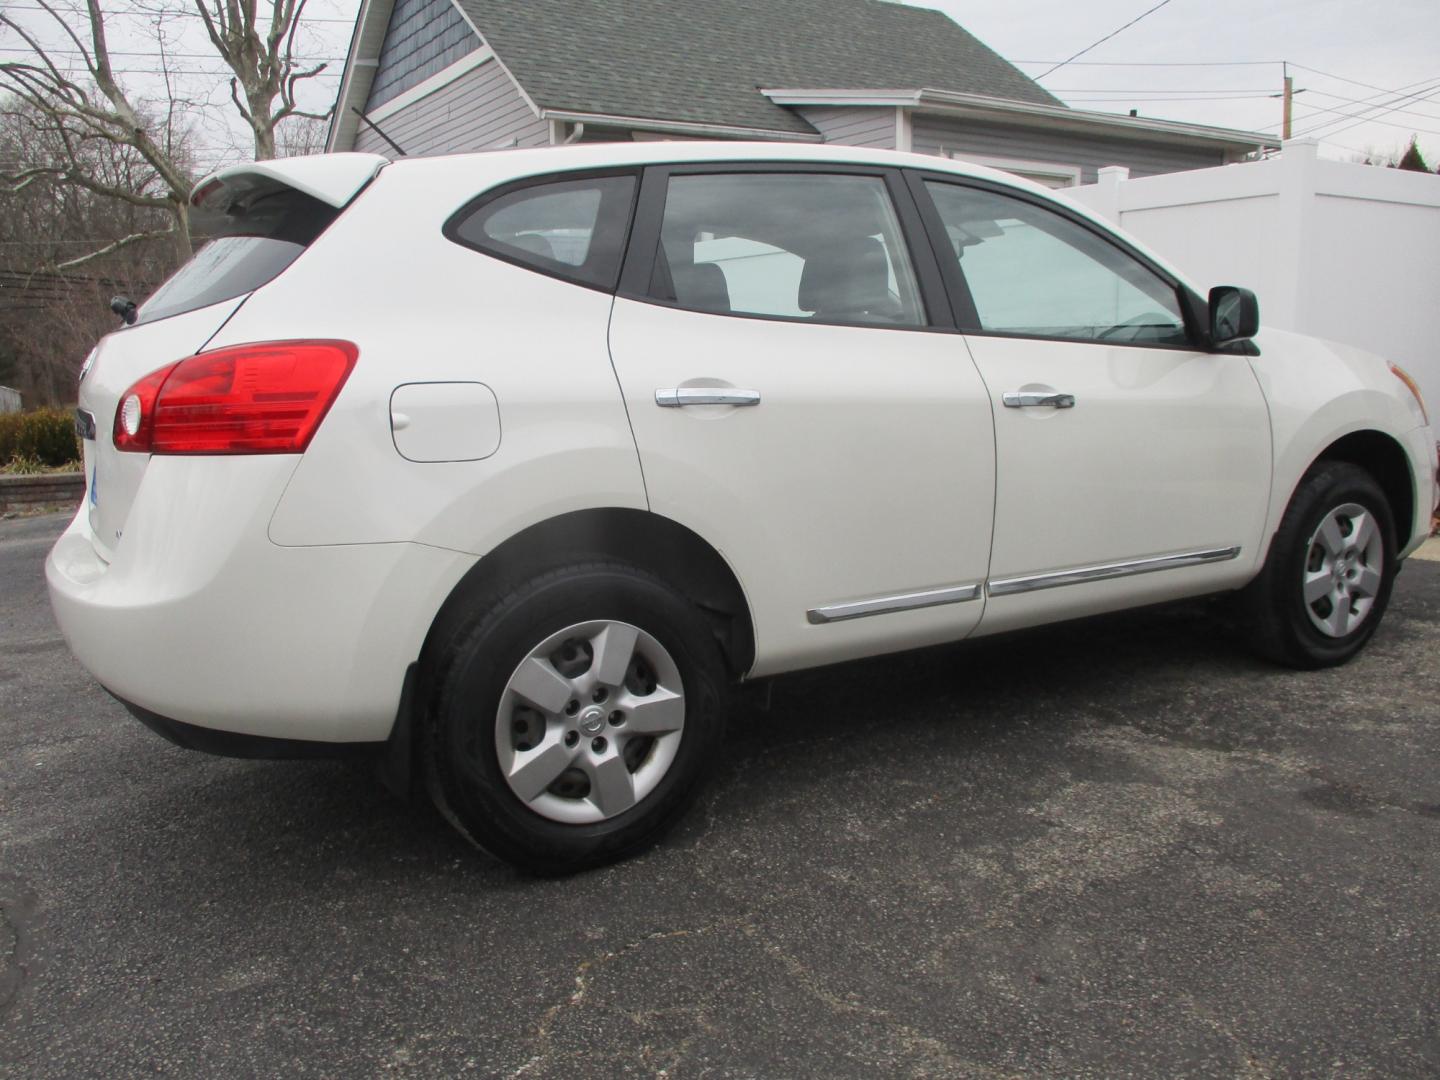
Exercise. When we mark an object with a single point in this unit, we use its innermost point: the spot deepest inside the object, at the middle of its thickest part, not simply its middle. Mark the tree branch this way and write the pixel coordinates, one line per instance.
(111, 248)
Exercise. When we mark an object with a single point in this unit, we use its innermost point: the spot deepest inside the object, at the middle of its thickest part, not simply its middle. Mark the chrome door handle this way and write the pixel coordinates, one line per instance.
(1029, 399)
(705, 395)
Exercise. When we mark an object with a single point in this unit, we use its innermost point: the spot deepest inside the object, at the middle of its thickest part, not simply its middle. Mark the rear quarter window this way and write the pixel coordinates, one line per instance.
(245, 249)
(568, 227)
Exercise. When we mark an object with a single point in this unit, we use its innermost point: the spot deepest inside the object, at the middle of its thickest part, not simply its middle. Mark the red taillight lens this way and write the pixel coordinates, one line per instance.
(249, 399)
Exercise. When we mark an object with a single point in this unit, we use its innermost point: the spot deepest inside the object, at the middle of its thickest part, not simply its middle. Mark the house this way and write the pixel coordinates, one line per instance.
(448, 76)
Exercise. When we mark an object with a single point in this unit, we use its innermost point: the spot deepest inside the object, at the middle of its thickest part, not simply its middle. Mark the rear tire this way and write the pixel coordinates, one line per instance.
(573, 722)
(1327, 580)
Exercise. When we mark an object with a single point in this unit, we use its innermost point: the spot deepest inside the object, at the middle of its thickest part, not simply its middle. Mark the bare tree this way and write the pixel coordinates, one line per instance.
(266, 68)
(77, 111)
(86, 101)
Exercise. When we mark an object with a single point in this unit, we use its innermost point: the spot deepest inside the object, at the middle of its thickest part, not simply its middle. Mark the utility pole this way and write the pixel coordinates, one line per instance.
(1289, 96)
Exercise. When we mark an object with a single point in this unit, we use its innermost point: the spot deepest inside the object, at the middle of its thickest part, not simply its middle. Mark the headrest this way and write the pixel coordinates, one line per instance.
(701, 286)
(850, 275)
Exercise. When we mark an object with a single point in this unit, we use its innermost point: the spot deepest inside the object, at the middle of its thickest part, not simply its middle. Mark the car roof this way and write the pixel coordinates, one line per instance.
(527, 162)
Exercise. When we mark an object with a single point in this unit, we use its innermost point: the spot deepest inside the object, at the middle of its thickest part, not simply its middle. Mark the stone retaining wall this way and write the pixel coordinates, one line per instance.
(42, 489)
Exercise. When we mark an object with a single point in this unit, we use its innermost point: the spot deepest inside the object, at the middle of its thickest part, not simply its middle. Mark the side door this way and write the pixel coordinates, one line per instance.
(1132, 465)
(800, 399)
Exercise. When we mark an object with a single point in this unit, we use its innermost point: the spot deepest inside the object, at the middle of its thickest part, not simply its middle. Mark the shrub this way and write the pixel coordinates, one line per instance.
(43, 435)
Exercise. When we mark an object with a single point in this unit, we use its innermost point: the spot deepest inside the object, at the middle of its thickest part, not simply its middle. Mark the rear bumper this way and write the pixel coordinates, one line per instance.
(201, 622)
(230, 744)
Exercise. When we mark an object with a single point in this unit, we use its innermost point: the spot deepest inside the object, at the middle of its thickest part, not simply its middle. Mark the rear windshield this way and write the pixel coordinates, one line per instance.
(245, 249)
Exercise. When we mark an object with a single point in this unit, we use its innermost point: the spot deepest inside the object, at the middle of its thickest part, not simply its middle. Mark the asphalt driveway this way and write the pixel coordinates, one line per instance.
(1115, 848)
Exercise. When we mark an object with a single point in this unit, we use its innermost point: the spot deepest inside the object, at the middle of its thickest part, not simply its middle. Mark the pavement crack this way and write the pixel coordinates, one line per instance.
(936, 1058)
(585, 973)
(18, 907)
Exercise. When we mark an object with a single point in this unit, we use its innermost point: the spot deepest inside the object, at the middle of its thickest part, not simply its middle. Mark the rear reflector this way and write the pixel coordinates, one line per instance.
(267, 398)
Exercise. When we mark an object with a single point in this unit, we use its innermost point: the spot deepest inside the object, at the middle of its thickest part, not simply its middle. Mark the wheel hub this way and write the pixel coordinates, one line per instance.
(592, 720)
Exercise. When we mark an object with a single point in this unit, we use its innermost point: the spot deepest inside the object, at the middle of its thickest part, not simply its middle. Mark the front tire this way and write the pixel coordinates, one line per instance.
(1327, 580)
(573, 721)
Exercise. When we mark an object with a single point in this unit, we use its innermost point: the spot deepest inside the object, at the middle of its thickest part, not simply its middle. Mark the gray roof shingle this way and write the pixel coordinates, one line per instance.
(704, 61)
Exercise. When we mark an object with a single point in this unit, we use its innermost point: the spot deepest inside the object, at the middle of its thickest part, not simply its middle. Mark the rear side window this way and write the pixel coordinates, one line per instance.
(573, 228)
(248, 247)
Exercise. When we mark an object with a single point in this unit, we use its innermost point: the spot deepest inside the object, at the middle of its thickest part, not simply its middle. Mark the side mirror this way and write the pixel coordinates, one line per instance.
(1234, 314)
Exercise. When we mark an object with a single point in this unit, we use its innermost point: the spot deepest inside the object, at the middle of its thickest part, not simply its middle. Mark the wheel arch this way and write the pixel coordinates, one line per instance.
(649, 541)
(1384, 459)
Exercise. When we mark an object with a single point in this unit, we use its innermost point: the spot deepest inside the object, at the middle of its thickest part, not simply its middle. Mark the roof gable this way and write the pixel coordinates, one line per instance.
(704, 61)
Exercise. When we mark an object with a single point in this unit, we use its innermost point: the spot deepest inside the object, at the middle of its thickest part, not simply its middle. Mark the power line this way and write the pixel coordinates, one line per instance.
(1107, 37)
(1382, 107)
(1162, 89)
(304, 21)
(1342, 78)
(1356, 101)
(1146, 100)
(1153, 63)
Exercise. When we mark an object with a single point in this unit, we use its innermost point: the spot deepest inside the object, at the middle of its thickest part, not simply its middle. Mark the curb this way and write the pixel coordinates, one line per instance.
(42, 489)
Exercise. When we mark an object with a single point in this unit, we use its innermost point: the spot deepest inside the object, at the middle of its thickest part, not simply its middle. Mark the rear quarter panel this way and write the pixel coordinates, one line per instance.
(424, 309)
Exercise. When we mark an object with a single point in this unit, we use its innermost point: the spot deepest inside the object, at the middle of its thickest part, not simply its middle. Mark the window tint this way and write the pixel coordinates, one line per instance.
(786, 245)
(249, 247)
(572, 228)
(1033, 271)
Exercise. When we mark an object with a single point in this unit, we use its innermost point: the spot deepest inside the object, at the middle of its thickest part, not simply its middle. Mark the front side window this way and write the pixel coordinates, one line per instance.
(1034, 272)
(573, 229)
(820, 247)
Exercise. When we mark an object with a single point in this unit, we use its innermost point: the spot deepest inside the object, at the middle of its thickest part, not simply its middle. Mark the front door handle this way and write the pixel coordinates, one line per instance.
(1029, 399)
(705, 395)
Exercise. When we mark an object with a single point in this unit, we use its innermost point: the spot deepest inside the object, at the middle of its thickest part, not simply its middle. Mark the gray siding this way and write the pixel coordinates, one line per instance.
(480, 110)
(854, 126)
(424, 36)
(936, 135)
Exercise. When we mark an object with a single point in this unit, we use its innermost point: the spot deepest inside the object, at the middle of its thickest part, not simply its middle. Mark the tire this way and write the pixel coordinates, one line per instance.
(573, 722)
(1338, 533)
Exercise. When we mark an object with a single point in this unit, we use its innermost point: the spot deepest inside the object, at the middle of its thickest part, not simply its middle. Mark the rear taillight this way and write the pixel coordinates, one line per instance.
(267, 398)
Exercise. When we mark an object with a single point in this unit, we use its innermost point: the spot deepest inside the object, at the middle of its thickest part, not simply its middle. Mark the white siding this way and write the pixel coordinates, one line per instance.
(854, 126)
(478, 111)
(938, 135)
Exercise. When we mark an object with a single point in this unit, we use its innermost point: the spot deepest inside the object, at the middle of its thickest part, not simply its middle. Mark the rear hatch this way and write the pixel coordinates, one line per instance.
(257, 219)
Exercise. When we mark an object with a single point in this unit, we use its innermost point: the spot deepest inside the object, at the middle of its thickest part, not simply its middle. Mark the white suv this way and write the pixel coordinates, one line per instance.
(503, 466)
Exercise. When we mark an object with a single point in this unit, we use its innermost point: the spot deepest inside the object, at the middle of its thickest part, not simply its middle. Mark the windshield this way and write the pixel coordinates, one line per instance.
(244, 249)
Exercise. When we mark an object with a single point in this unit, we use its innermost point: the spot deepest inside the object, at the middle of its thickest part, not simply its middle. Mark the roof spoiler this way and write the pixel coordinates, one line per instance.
(334, 179)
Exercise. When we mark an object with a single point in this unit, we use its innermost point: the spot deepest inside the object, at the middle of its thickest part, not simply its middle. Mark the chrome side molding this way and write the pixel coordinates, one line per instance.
(1032, 582)
(705, 395)
(882, 605)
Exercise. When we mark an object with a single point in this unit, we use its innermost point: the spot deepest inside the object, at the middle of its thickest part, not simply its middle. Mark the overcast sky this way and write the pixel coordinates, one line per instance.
(1349, 56)
(1387, 44)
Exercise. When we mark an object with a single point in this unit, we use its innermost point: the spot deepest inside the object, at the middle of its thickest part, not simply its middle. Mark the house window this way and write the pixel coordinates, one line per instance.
(1045, 173)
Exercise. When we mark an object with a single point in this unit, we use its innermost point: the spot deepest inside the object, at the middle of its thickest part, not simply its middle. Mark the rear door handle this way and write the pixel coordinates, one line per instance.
(1029, 399)
(705, 395)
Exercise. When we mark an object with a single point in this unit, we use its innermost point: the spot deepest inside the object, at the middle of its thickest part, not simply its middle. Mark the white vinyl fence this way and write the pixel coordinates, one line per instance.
(9, 400)
(1345, 252)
